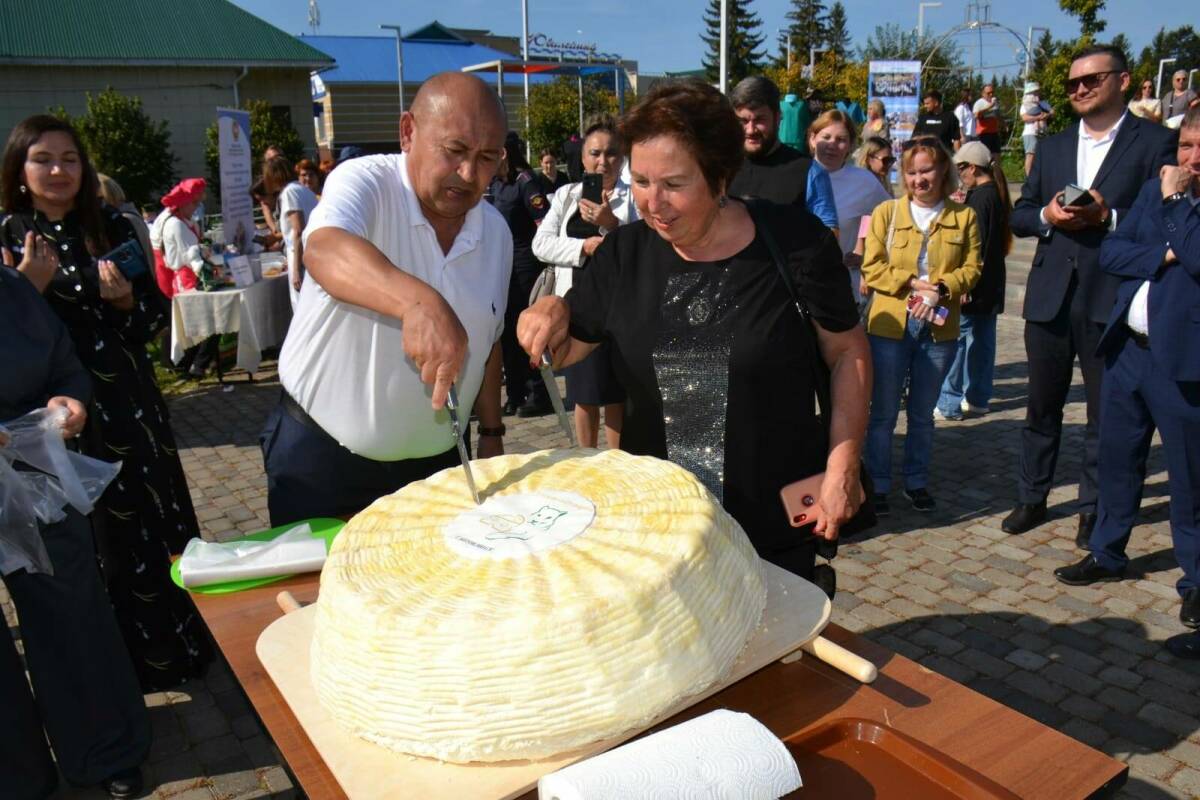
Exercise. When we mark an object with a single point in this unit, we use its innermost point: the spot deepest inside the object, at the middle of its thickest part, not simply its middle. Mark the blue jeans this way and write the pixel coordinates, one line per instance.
(973, 367)
(924, 362)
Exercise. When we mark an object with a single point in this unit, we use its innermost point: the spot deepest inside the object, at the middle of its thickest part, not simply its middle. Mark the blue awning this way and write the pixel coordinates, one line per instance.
(372, 59)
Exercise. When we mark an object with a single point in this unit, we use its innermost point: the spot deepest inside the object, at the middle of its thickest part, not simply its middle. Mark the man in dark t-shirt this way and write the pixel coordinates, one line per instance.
(937, 122)
(772, 170)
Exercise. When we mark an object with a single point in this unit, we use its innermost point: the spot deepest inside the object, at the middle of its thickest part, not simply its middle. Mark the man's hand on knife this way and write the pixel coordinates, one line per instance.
(436, 342)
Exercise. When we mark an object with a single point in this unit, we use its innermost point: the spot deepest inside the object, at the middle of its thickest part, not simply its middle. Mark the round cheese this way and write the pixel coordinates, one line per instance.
(588, 594)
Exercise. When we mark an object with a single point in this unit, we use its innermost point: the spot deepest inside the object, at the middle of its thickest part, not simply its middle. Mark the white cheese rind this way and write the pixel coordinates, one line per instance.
(428, 652)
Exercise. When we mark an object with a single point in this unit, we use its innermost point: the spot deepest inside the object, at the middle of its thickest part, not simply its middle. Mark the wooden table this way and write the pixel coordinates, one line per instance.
(1028, 758)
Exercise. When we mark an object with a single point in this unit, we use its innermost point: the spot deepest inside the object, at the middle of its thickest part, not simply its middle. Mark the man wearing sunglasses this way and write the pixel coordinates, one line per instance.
(1110, 153)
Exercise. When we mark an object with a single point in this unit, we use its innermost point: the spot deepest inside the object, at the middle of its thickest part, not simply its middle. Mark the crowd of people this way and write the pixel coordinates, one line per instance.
(716, 297)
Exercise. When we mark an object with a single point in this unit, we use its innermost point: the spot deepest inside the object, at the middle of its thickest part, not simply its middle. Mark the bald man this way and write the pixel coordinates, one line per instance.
(410, 278)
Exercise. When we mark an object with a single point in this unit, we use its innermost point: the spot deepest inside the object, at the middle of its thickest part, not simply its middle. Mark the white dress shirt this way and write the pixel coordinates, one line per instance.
(552, 246)
(345, 364)
(1138, 315)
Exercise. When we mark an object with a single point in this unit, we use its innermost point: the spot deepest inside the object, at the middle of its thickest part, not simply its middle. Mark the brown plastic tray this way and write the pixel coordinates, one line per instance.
(859, 759)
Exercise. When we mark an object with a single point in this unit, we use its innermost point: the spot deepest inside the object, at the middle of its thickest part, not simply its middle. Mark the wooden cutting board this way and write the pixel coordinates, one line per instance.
(797, 611)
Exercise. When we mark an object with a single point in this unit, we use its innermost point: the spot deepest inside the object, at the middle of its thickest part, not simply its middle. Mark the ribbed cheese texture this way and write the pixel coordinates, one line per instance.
(427, 651)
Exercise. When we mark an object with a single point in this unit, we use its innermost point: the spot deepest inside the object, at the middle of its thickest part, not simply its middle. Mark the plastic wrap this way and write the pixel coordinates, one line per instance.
(28, 498)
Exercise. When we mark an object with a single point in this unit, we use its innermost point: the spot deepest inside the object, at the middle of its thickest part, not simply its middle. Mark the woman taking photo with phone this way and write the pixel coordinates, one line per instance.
(55, 233)
(567, 237)
(922, 256)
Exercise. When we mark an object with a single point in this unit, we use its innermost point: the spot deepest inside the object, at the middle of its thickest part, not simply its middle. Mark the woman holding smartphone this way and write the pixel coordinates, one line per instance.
(922, 256)
(580, 215)
(55, 233)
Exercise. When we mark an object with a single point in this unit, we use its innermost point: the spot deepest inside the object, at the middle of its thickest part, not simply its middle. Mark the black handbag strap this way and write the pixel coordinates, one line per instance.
(820, 373)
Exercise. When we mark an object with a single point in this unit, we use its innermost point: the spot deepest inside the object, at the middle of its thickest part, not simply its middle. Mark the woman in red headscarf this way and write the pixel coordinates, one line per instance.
(177, 250)
(56, 233)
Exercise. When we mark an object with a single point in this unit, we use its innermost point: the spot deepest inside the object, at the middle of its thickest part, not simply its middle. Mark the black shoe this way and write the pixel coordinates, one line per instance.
(1026, 516)
(511, 406)
(1087, 521)
(1184, 645)
(1086, 572)
(880, 501)
(535, 408)
(921, 499)
(1189, 612)
(125, 784)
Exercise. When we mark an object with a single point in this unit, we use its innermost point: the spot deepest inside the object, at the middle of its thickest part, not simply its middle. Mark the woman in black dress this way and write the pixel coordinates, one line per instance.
(704, 334)
(55, 231)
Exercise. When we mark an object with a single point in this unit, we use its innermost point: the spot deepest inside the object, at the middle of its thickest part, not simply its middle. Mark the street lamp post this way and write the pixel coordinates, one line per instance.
(921, 18)
(399, 62)
(812, 59)
(1192, 72)
(787, 32)
(525, 68)
(724, 77)
(1162, 62)
(1029, 48)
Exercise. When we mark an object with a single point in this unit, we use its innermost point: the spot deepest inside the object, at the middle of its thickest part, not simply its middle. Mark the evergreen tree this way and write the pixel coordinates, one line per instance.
(839, 34)
(1088, 12)
(808, 26)
(745, 57)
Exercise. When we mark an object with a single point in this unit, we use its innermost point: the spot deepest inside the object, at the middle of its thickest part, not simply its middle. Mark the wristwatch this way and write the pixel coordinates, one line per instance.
(483, 430)
(1173, 197)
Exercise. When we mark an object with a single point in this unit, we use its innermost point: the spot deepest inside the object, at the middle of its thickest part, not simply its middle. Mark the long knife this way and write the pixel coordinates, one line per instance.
(555, 398)
(452, 408)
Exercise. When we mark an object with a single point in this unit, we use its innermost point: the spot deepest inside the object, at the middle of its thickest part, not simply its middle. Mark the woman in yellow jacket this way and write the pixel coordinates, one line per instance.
(922, 256)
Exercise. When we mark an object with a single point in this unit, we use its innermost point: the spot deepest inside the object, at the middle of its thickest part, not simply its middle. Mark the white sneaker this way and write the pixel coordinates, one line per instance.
(939, 416)
(967, 408)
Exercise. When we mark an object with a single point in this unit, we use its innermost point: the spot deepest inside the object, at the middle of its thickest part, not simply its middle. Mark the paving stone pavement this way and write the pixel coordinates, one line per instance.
(947, 589)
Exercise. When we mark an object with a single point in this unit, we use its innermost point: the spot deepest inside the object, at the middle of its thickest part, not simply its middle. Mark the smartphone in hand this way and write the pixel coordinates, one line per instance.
(129, 259)
(593, 187)
(1075, 197)
(940, 313)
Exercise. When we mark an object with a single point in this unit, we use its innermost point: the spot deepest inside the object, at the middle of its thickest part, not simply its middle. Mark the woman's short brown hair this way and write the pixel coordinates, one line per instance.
(932, 147)
(277, 173)
(833, 116)
(700, 117)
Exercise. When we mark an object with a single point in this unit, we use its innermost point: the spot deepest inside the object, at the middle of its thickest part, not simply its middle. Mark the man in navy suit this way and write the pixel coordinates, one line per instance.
(1151, 351)
(1110, 153)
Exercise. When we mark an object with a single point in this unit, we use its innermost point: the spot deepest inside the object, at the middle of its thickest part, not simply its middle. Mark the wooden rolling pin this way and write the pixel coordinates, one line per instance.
(837, 657)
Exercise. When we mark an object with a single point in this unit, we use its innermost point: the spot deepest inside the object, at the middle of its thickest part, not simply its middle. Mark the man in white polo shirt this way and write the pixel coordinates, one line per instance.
(409, 283)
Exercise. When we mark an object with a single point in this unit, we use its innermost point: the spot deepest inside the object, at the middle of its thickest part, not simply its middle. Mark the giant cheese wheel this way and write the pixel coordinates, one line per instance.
(587, 595)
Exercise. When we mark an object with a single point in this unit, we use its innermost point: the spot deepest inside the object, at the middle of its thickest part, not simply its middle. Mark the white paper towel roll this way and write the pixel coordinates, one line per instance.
(721, 755)
(296, 551)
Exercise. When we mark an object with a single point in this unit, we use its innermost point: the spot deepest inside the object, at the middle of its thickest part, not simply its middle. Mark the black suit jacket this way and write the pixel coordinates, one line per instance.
(1136, 155)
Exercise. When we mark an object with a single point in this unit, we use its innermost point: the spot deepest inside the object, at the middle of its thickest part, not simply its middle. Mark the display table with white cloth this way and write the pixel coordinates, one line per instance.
(259, 314)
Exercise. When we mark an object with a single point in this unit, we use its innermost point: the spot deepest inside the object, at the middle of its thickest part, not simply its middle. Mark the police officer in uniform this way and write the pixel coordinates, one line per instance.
(520, 198)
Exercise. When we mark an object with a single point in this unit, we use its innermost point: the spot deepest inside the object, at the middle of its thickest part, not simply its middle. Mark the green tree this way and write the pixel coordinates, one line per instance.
(268, 125)
(125, 144)
(808, 26)
(745, 57)
(838, 35)
(1088, 12)
(554, 111)
(1182, 44)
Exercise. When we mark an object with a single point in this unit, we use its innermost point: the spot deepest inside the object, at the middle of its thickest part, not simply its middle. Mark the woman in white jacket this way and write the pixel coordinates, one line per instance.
(566, 239)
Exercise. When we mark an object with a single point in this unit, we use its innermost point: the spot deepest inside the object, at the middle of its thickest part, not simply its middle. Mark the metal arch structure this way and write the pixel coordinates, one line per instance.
(976, 26)
(984, 26)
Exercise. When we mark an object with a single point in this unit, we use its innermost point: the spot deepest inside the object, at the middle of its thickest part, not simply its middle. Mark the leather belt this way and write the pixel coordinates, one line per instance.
(1140, 339)
(297, 412)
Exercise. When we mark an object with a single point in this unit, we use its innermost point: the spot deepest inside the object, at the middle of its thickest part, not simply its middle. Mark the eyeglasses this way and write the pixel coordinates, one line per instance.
(1088, 82)
(920, 141)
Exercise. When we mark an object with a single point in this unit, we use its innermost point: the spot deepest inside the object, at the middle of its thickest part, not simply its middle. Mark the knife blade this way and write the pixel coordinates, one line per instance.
(452, 408)
(555, 398)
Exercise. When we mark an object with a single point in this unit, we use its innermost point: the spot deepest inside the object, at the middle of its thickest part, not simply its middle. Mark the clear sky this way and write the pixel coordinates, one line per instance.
(664, 35)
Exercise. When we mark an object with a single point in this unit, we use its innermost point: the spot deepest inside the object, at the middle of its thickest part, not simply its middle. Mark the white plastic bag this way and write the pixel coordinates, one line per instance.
(30, 498)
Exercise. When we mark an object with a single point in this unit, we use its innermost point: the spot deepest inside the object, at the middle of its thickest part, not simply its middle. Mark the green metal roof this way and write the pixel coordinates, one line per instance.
(191, 32)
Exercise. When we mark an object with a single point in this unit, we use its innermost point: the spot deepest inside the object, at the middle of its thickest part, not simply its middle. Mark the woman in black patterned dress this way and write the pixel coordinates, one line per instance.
(54, 232)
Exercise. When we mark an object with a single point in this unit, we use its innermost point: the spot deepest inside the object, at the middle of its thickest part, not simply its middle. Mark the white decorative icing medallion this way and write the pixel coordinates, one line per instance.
(519, 525)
